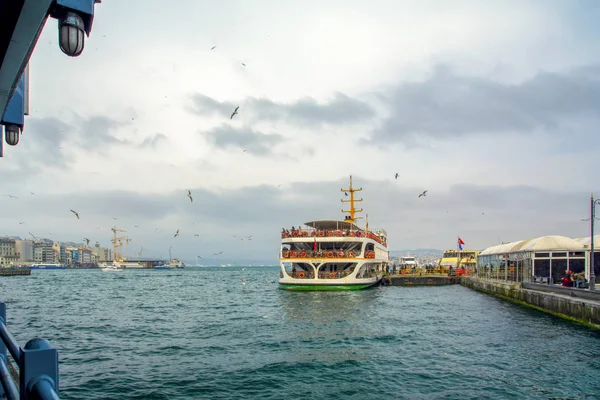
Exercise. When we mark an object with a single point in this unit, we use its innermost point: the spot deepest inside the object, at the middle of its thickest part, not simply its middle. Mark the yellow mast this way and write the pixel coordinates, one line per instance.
(117, 242)
(352, 209)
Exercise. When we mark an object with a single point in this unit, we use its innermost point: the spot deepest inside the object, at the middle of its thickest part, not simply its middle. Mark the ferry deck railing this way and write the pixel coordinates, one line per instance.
(37, 364)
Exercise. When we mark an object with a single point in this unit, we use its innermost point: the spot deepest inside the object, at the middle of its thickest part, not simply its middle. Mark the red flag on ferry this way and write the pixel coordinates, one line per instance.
(315, 245)
(460, 241)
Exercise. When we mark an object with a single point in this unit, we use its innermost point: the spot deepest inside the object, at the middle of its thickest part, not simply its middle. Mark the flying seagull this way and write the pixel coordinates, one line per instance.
(11, 196)
(219, 253)
(190, 196)
(423, 194)
(176, 233)
(396, 175)
(195, 234)
(32, 193)
(243, 64)
(235, 112)
(76, 213)
(212, 48)
(87, 241)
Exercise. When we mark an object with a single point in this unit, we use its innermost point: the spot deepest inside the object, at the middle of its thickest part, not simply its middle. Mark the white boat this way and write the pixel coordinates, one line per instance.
(114, 266)
(332, 254)
(408, 262)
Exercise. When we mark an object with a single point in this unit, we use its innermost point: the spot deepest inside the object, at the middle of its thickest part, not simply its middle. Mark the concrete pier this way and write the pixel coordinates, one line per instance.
(577, 305)
(419, 280)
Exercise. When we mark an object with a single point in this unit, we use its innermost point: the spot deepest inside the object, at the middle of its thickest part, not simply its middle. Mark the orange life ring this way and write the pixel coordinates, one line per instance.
(293, 254)
(301, 275)
(351, 254)
(303, 254)
(330, 254)
(340, 254)
(332, 275)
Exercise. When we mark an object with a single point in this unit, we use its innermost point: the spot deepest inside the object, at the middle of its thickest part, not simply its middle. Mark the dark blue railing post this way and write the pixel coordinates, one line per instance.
(8, 390)
(39, 370)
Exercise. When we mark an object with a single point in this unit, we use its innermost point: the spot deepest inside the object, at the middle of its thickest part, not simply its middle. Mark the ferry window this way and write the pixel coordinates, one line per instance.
(559, 254)
(576, 254)
(542, 255)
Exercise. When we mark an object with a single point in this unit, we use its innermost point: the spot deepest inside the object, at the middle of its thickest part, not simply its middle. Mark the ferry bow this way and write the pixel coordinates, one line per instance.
(333, 254)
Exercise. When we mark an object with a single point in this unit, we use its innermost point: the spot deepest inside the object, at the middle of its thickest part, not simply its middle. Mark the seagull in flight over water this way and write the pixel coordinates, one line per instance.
(190, 196)
(396, 175)
(176, 233)
(423, 194)
(76, 213)
(235, 112)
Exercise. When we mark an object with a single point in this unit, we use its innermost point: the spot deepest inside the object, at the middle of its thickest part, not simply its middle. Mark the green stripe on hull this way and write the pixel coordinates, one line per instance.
(288, 286)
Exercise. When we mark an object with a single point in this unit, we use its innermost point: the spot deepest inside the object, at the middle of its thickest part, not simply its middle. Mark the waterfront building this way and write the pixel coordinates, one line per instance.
(8, 252)
(24, 248)
(544, 259)
(43, 252)
(101, 254)
(585, 241)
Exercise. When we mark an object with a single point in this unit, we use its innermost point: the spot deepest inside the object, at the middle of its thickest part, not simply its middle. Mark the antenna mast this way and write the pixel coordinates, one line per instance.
(352, 209)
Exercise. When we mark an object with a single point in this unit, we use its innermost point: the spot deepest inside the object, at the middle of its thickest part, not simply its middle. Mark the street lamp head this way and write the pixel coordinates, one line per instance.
(11, 134)
(71, 31)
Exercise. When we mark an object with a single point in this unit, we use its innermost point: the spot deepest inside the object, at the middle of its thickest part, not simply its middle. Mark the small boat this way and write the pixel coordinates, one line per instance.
(115, 266)
(173, 264)
(333, 254)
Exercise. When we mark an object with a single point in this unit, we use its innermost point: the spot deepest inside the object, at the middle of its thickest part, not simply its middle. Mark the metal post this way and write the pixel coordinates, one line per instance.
(39, 370)
(592, 219)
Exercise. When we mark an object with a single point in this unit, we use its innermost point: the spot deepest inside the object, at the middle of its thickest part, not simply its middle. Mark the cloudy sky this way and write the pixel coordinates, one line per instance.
(493, 107)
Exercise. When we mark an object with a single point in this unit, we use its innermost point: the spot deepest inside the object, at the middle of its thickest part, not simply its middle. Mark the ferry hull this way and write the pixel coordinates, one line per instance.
(325, 287)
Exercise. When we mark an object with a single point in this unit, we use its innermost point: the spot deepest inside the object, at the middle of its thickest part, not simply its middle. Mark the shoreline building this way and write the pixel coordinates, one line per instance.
(545, 259)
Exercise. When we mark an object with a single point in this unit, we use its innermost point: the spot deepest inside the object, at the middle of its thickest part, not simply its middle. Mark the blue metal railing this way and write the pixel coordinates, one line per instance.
(37, 362)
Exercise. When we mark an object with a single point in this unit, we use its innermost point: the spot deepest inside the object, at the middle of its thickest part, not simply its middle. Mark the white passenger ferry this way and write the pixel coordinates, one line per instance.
(332, 254)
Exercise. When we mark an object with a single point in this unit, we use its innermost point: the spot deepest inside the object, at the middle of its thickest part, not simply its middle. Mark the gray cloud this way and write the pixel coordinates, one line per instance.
(341, 109)
(481, 215)
(98, 131)
(257, 143)
(448, 105)
(152, 141)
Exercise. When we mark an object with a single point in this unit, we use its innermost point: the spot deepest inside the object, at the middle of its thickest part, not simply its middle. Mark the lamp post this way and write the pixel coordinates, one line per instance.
(592, 219)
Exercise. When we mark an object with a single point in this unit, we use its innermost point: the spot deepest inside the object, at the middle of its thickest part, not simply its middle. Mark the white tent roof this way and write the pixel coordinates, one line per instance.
(544, 243)
(586, 240)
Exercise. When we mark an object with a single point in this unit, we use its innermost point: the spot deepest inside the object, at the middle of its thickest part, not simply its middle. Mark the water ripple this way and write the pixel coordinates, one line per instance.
(200, 333)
